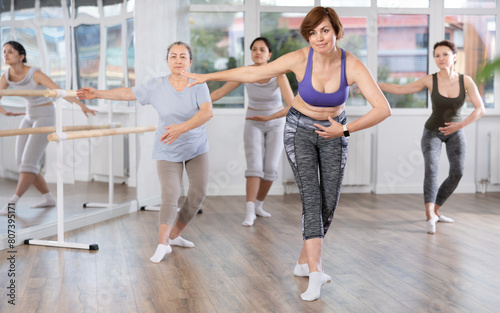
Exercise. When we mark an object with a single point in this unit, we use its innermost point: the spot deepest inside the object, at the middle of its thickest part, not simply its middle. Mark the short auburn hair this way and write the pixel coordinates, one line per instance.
(316, 16)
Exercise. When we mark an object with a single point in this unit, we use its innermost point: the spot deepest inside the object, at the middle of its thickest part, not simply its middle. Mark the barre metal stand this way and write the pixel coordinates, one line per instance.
(60, 187)
(111, 186)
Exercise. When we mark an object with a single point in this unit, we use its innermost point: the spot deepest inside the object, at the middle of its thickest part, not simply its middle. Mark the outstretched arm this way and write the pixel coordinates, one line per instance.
(42, 79)
(5, 85)
(250, 74)
(119, 94)
(224, 90)
(175, 130)
(474, 96)
(412, 87)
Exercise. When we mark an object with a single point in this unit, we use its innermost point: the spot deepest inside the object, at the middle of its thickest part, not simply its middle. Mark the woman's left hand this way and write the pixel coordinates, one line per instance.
(332, 131)
(173, 132)
(86, 111)
(449, 129)
(258, 118)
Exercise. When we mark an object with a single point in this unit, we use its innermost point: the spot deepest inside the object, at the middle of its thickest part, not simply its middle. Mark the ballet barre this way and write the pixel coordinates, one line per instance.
(37, 93)
(51, 129)
(99, 133)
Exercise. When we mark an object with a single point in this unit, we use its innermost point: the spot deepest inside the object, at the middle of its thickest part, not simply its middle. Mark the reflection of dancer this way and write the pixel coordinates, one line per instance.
(182, 112)
(316, 129)
(263, 134)
(39, 113)
(448, 91)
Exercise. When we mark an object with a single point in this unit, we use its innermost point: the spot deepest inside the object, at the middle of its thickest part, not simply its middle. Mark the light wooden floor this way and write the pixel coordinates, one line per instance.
(377, 252)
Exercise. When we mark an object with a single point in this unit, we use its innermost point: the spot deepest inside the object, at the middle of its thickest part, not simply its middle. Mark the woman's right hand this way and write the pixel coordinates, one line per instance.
(9, 113)
(86, 93)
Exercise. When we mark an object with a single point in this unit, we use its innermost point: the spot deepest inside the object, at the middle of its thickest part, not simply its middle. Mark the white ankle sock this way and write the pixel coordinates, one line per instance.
(444, 219)
(301, 270)
(259, 210)
(5, 209)
(316, 280)
(431, 225)
(48, 201)
(250, 217)
(161, 251)
(181, 242)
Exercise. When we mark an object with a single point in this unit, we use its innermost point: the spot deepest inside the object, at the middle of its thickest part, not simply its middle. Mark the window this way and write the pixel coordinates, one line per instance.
(474, 37)
(217, 40)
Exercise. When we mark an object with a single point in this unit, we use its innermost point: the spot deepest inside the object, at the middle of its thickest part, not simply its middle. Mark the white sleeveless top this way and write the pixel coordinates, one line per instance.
(27, 83)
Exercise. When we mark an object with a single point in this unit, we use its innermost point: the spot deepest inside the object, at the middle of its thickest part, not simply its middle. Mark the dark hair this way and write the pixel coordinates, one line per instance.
(180, 43)
(446, 43)
(265, 40)
(314, 18)
(18, 47)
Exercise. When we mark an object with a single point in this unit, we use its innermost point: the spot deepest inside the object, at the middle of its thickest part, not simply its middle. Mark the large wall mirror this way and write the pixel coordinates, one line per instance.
(77, 43)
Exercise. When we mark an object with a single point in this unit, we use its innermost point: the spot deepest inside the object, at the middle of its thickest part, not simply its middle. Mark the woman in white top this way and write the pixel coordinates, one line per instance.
(263, 134)
(40, 112)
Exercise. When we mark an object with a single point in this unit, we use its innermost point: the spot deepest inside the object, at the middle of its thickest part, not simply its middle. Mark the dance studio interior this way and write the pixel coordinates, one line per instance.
(91, 251)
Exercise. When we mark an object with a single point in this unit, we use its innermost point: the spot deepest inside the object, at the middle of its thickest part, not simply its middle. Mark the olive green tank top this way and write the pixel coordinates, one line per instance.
(445, 110)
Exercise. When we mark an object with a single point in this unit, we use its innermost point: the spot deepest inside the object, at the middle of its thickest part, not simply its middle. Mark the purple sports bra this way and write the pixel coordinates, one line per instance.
(319, 99)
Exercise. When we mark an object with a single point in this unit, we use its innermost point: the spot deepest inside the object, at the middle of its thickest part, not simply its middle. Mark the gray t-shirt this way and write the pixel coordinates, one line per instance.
(175, 107)
(264, 96)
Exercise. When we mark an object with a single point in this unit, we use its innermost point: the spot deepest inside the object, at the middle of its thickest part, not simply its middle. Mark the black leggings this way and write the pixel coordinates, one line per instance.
(431, 148)
(308, 154)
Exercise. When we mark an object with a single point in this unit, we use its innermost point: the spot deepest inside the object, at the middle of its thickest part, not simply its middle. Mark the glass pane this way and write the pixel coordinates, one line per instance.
(24, 9)
(88, 40)
(217, 43)
(470, 3)
(5, 36)
(56, 53)
(87, 8)
(5, 11)
(403, 55)
(283, 30)
(114, 59)
(403, 3)
(27, 37)
(130, 53)
(217, 2)
(346, 3)
(111, 7)
(130, 5)
(354, 41)
(474, 37)
(303, 3)
(51, 9)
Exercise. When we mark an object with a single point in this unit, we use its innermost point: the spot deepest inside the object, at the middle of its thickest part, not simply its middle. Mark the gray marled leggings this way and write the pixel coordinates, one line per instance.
(308, 154)
(431, 148)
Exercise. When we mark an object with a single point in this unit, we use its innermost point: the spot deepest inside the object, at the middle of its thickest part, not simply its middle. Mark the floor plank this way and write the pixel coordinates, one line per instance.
(377, 252)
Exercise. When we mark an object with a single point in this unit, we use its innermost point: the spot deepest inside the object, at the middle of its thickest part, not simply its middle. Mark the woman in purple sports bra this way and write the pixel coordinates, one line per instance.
(316, 129)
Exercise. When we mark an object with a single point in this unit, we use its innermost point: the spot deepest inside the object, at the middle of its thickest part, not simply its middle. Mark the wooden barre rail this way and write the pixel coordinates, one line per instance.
(35, 93)
(101, 133)
(51, 129)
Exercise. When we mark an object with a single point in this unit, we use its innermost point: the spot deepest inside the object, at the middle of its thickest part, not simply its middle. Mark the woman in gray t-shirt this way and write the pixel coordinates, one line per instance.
(180, 141)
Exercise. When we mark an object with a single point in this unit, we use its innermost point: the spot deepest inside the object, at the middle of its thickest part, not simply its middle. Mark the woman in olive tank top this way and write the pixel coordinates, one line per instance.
(448, 91)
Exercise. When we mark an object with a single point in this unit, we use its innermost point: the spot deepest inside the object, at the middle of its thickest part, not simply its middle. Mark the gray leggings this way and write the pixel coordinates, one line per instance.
(31, 148)
(170, 175)
(308, 154)
(431, 148)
